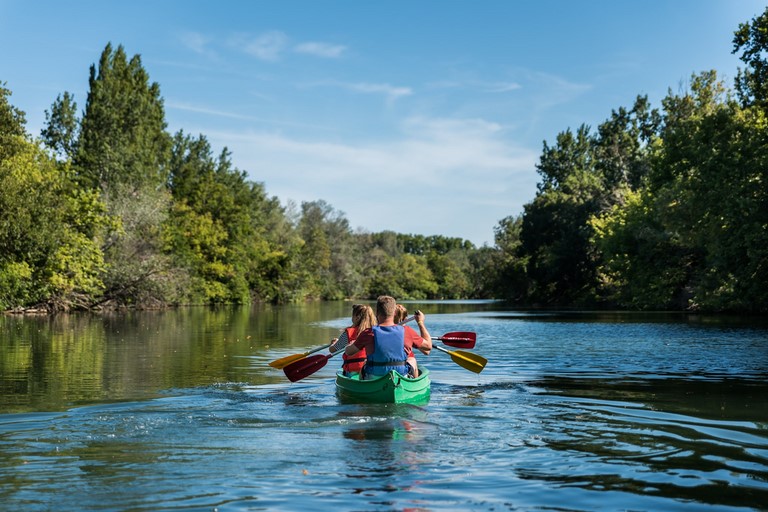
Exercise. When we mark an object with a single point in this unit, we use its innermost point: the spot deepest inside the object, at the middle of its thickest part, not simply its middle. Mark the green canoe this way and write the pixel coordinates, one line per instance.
(391, 388)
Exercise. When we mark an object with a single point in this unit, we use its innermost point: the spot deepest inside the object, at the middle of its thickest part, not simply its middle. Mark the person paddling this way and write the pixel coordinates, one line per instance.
(362, 319)
(401, 314)
(388, 345)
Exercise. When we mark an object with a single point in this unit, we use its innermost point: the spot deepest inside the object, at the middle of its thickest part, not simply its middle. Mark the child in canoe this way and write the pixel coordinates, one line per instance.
(362, 319)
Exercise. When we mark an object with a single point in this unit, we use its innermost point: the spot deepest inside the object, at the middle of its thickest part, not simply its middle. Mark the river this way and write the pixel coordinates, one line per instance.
(575, 411)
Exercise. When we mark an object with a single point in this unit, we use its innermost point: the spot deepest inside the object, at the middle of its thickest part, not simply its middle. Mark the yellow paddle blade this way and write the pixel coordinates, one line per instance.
(285, 361)
(466, 360)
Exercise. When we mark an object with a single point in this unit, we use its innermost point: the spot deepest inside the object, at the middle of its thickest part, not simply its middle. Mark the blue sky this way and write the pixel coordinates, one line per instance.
(422, 117)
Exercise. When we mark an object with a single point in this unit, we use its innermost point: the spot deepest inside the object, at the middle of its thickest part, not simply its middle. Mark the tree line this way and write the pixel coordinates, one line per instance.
(658, 208)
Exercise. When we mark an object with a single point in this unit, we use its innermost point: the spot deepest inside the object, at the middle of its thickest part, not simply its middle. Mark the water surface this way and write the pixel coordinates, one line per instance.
(179, 410)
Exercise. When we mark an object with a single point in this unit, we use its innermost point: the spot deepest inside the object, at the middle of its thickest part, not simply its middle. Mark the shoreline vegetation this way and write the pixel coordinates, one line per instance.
(657, 209)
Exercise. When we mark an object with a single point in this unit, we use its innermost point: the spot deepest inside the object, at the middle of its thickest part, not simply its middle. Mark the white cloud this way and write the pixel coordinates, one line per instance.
(268, 46)
(456, 177)
(203, 110)
(326, 50)
(554, 90)
(196, 42)
(390, 92)
(504, 87)
(206, 111)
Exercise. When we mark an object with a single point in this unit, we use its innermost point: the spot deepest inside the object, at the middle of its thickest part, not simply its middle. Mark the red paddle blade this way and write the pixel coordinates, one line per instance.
(305, 367)
(461, 339)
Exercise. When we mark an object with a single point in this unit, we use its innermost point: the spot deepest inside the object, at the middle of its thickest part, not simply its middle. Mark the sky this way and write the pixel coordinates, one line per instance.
(417, 116)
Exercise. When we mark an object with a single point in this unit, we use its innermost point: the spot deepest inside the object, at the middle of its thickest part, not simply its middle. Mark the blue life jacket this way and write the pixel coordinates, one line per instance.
(388, 351)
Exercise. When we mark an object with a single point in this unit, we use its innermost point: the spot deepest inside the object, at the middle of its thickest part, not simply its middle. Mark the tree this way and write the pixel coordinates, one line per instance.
(751, 39)
(233, 240)
(122, 151)
(62, 127)
(122, 136)
(13, 134)
(644, 265)
(712, 174)
(622, 145)
(554, 233)
(508, 279)
(49, 229)
(332, 265)
(570, 153)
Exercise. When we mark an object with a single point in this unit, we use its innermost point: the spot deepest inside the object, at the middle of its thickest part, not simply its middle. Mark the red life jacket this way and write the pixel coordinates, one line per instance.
(355, 363)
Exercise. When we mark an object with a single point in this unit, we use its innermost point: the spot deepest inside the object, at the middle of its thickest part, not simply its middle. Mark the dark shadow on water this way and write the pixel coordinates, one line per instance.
(703, 441)
(627, 317)
(729, 398)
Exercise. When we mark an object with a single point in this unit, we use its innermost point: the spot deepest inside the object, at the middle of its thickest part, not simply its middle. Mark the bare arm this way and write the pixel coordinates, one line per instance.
(351, 349)
(426, 346)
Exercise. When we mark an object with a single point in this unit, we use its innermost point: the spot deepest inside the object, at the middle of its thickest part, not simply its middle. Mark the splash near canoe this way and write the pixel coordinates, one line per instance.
(391, 388)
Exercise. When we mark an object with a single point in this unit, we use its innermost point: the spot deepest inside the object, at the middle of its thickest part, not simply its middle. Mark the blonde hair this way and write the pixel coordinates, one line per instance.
(400, 313)
(363, 317)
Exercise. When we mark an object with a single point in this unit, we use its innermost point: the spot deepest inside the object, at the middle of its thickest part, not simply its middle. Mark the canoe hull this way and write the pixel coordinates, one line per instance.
(392, 388)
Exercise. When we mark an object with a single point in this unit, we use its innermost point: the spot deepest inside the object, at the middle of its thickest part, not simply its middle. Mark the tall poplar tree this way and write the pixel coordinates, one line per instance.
(123, 151)
(122, 139)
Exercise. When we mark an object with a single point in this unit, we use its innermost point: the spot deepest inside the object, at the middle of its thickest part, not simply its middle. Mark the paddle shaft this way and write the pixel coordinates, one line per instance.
(285, 361)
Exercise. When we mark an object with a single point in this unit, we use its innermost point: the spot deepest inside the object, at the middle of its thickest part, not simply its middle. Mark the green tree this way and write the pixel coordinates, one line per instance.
(712, 176)
(49, 229)
(13, 135)
(751, 41)
(644, 266)
(233, 239)
(62, 127)
(122, 151)
(332, 265)
(452, 274)
(505, 274)
(621, 148)
(122, 135)
(554, 234)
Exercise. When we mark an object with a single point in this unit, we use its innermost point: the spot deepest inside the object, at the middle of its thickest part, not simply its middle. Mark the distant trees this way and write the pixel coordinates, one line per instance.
(655, 209)
(119, 212)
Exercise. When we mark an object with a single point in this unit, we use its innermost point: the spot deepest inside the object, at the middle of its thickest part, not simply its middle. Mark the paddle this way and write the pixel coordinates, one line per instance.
(467, 360)
(462, 339)
(285, 361)
(305, 367)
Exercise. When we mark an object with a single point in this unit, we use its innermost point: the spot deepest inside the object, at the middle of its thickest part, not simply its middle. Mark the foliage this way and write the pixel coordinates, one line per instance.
(49, 229)
(644, 266)
(138, 272)
(122, 138)
(751, 40)
(655, 209)
(62, 127)
(222, 229)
